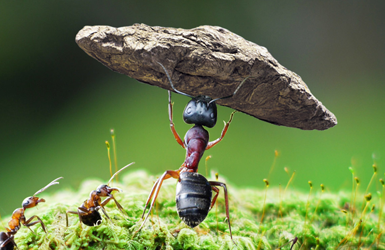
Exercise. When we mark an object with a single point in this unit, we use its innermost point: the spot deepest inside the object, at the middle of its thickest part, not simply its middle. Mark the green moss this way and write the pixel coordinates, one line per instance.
(326, 226)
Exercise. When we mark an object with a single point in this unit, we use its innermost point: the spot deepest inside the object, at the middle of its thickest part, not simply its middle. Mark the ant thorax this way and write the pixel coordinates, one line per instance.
(196, 140)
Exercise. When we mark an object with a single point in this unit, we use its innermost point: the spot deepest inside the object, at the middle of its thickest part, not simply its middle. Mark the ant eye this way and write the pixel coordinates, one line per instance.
(188, 110)
(212, 115)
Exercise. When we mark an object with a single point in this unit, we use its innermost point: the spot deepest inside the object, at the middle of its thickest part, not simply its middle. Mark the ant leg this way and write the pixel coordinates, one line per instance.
(153, 189)
(172, 126)
(121, 209)
(224, 131)
(106, 201)
(104, 212)
(294, 241)
(7, 241)
(216, 183)
(82, 211)
(216, 190)
(70, 212)
(158, 184)
(101, 206)
(150, 196)
(28, 223)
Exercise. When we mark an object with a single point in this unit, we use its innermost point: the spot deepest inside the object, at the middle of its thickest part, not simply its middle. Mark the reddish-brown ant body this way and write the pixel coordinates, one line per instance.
(194, 192)
(88, 212)
(7, 241)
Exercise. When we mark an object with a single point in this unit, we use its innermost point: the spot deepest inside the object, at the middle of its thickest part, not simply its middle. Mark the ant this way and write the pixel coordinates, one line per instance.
(7, 241)
(194, 191)
(88, 211)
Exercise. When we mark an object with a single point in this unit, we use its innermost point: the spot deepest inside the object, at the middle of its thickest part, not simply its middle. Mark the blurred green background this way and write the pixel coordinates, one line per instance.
(58, 104)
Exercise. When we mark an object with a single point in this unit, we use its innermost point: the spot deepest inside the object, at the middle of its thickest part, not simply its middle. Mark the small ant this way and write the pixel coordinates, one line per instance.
(7, 241)
(88, 211)
(194, 192)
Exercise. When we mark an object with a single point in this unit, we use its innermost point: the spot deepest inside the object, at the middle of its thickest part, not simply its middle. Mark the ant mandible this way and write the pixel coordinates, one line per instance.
(194, 192)
(7, 241)
(88, 211)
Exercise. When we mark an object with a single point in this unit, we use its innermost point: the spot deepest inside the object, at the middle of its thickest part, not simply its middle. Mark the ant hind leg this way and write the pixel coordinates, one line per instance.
(155, 190)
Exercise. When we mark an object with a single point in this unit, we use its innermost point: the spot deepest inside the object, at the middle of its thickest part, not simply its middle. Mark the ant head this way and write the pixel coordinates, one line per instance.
(105, 190)
(201, 110)
(31, 201)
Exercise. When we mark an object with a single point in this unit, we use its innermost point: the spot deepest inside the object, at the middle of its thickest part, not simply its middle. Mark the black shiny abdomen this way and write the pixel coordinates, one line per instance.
(91, 219)
(10, 245)
(193, 198)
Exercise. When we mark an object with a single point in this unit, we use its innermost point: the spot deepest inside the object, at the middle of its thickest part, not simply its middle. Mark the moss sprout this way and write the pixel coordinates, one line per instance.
(329, 223)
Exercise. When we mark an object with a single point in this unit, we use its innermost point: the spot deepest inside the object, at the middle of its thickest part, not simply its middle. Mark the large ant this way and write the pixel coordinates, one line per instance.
(88, 211)
(194, 191)
(7, 241)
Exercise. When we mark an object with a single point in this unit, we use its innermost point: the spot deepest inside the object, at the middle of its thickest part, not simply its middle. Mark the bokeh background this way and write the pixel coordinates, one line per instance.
(58, 104)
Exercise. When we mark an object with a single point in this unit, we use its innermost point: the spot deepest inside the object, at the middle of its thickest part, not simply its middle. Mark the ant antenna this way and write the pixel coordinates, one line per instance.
(54, 182)
(239, 86)
(172, 86)
(112, 177)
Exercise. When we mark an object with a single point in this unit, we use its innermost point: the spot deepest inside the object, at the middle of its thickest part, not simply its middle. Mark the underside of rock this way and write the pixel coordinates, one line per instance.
(211, 61)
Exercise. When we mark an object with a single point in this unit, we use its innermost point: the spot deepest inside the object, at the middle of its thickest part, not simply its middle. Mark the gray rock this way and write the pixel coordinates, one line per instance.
(211, 61)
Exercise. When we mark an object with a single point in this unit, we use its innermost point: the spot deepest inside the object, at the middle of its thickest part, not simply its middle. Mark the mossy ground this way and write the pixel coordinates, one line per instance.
(325, 223)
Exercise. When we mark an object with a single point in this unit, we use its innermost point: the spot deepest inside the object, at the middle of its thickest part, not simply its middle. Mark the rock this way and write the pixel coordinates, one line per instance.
(211, 61)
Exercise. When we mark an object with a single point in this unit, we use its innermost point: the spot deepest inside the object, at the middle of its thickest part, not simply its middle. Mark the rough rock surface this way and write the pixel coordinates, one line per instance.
(211, 61)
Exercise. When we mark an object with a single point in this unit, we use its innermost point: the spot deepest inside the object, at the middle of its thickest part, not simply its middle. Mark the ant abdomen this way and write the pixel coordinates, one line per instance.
(4, 237)
(193, 198)
(92, 219)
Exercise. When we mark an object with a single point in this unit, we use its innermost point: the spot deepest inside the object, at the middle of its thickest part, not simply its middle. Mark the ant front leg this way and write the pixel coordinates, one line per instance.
(172, 126)
(121, 209)
(28, 223)
(155, 190)
(224, 131)
(213, 185)
(116, 202)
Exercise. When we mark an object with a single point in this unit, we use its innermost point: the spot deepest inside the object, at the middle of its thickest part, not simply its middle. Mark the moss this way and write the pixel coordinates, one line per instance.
(321, 225)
